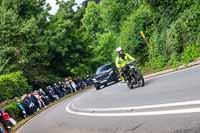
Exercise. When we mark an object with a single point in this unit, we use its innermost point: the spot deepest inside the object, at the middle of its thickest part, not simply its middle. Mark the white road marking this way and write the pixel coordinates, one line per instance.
(148, 113)
(197, 102)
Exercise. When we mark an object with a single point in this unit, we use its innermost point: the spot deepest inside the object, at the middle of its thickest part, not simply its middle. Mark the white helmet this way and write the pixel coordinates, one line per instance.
(118, 49)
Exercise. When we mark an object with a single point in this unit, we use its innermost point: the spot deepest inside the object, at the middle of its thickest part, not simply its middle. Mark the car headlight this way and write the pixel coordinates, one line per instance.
(94, 80)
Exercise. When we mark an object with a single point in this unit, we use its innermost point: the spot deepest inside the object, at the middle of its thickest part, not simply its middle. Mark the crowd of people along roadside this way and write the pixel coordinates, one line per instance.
(38, 99)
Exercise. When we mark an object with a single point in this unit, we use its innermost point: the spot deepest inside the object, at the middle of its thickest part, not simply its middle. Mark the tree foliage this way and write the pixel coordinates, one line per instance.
(47, 48)
(170, 27)
(12, 85)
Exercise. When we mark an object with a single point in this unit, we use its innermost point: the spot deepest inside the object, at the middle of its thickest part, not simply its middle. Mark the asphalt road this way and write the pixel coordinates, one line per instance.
(167, 104)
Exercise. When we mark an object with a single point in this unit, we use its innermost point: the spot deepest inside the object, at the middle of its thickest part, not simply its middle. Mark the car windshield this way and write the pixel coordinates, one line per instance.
(103, 68)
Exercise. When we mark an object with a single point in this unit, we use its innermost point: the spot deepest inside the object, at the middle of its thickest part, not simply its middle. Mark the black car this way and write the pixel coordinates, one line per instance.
(105, 75)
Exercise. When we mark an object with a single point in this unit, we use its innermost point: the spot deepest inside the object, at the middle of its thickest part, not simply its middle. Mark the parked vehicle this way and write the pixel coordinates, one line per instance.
(105, 75)
(132, 76)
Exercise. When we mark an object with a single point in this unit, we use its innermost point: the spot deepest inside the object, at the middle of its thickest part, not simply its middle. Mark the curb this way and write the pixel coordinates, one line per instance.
(191, 64)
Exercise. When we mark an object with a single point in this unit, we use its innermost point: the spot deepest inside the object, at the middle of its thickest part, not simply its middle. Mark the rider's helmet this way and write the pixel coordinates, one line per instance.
(120, 51)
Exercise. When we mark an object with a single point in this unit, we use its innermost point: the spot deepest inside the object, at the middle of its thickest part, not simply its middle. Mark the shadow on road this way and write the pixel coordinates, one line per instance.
(112, 83)
(149, 81)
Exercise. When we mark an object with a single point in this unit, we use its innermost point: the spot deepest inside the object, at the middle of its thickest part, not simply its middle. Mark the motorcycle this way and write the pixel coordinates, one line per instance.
(132, 76)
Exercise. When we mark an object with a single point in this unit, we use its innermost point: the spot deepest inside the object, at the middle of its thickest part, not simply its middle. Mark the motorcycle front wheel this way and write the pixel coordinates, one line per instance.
(141, 81)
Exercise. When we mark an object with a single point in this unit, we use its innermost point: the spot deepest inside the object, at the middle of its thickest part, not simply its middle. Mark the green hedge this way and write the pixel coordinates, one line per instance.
(13, 111)
(191, 52)
(13, 85)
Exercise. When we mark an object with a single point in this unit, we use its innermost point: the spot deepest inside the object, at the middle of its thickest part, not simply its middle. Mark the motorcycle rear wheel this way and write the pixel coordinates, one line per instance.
(140, 82)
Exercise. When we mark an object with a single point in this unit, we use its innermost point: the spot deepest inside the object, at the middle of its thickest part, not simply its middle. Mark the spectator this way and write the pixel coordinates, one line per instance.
(43, 96)
(39, 98)
(67, 82)
(21, 108)
(49, 94)
(62, 88)
(67, 86)
(73, 85)
(57, 90)
(52, 93)
(28, 104)
(6, 120)
(1, 129)
(36, 102)
(41, 92)
(78, 81)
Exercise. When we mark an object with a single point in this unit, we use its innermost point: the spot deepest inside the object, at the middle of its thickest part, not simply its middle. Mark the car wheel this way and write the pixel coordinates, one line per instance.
(118, 79)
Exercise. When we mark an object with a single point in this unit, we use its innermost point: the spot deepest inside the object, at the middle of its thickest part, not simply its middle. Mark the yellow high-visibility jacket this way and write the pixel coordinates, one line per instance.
(120, 63)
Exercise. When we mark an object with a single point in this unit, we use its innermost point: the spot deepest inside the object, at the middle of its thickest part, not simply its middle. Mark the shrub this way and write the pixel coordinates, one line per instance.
(174, 60)
(184, 30)
(13, 85)
(157, 51)
(190, 53)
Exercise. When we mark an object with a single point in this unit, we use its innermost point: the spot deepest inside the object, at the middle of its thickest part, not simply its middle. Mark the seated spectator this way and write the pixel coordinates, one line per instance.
(67, 86)
(41, 92)
(77, 81)
(6, 120)
(36, 102)
(39, 98)
(62, 88)
(1, 129)
(43, 96)
(73, 85)
(52, 93)
(28, 104)
(48, 93)
(67, 82)
(57, 90)
(21, 108)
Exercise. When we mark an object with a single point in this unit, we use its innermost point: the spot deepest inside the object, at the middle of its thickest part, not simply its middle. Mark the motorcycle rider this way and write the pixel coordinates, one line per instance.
(122, 59)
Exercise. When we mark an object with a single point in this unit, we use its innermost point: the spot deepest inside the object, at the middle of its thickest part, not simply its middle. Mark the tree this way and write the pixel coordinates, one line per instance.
(140, 20)
(92, 19)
